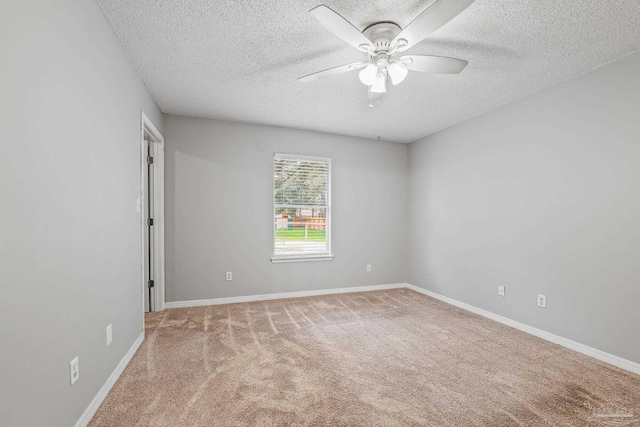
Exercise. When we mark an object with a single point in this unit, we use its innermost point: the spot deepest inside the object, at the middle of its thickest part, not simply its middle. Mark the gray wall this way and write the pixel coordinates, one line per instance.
(69, 178)
(542, 196)
(219, 211)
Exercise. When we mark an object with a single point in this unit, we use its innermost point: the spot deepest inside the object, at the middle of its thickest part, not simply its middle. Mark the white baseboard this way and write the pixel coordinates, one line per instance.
(97, 401)
(572, 345)
(283, 295)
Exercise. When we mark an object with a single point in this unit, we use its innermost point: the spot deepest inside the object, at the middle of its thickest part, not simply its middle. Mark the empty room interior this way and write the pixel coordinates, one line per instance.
(320, 213)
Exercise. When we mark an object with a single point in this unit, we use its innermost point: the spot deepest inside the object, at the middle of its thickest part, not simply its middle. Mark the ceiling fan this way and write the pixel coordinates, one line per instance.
(382, 42)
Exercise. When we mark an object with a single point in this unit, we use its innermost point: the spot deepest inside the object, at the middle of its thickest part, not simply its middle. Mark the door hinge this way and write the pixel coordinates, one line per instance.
(151, 284)
(149, 160)
(150, 221)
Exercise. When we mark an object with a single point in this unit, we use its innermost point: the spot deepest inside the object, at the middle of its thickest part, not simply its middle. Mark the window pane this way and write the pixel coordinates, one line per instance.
(301, 231)
(301, 182)
(301, 206)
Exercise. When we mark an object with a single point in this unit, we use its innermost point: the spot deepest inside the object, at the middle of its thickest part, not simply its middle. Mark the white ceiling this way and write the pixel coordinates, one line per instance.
(239, 60)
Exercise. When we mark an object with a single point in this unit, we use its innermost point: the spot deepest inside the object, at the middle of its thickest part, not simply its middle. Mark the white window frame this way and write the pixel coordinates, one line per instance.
(301, 258)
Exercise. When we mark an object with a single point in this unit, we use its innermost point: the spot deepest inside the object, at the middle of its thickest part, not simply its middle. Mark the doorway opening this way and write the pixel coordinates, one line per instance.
(151, 208)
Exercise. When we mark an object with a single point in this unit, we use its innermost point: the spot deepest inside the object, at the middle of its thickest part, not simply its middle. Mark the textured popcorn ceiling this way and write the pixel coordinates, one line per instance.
(239, 60)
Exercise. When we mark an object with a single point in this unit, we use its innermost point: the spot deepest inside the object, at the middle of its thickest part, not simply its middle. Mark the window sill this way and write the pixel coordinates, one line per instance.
(279, 260)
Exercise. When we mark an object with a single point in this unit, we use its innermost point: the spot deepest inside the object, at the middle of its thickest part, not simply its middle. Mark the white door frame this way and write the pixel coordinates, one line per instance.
(158, 291)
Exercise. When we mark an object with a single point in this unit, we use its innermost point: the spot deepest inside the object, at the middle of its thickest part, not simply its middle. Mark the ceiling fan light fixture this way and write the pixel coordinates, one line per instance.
(373, 97)
(380, 83)
(368, 74)
(382, 40)
(397, 71)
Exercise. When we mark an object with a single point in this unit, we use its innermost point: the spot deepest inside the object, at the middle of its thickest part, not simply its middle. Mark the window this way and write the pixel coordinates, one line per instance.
(302, 208)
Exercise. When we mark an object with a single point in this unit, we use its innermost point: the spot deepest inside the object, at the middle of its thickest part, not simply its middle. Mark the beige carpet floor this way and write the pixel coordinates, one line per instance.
(384, 358)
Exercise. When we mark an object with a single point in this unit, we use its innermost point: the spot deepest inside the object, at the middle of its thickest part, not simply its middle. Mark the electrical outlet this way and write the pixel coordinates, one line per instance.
(229, 275)
(368, 268)
(109, 334)
(74, 370)
(501, 291)
(542, 301)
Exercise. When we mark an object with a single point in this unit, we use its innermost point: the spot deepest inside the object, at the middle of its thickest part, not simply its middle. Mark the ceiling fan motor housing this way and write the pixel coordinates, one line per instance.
(382, 34)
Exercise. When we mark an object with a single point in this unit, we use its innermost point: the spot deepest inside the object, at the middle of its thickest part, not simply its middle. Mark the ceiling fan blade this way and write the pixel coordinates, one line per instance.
(332, 72)
(340, 27)
(434, 17)
(433, 64)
